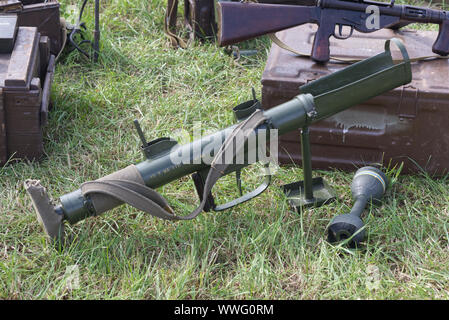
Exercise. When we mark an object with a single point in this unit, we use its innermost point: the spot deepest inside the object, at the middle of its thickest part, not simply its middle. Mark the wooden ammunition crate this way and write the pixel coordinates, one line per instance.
(26, 75)
(46, 17)
(42, 14)
(408, 124)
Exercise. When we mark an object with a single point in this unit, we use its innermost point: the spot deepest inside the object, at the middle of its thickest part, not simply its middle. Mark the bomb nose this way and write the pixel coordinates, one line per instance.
(369, 182)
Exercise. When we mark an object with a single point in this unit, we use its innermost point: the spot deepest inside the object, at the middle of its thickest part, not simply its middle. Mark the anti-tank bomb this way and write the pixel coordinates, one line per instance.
(368, 185)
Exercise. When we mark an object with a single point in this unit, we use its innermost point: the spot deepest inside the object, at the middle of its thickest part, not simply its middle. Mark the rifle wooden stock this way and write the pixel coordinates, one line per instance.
(243, 21)
(441, 45)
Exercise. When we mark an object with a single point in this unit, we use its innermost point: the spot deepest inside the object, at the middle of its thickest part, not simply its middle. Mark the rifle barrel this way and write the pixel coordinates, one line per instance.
(405, 12)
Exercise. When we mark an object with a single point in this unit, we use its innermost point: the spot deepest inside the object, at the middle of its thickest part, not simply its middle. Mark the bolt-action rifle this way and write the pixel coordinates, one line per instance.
(135, 184)
(239, 21)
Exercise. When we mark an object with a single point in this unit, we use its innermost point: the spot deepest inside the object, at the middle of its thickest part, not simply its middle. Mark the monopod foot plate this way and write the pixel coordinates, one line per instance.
(322, 194)
(46, 215)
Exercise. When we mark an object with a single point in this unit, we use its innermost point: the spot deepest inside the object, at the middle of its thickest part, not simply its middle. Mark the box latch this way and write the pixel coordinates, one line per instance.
(408, 102)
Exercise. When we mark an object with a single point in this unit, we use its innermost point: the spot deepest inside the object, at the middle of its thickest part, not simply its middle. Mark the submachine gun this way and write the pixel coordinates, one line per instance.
(135, 184)
(239, 21)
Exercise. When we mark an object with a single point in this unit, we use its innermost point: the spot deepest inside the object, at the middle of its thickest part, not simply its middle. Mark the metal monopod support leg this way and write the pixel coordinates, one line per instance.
(96, 44)
(311, 191)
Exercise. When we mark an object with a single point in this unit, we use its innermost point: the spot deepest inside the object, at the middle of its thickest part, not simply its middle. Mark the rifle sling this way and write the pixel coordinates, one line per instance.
(150, 201)
(170, 25)
(285, 46)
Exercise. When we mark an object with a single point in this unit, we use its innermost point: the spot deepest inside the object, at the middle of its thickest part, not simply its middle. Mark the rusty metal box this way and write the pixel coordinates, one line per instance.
(408, 125)
(24, 95)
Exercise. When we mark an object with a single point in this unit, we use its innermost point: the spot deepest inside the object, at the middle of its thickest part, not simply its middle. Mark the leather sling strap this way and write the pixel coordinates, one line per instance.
(150, 201)
(170, 25)
(135, 194)
(285, 46)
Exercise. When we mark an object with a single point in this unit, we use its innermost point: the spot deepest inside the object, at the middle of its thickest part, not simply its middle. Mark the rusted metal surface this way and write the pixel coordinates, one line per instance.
(24, 97)
(408, 124)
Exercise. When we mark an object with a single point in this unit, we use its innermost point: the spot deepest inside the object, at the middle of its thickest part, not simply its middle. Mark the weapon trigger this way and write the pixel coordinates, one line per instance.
(350, 32)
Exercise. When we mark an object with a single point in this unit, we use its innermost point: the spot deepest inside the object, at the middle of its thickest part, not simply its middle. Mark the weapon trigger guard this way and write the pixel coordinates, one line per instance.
(340, 32)
(199, 181)
(350, 33)
(247, 196)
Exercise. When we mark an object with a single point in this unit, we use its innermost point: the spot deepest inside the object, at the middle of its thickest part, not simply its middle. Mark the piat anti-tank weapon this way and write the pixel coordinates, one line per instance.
(135, 184)
(239, 21)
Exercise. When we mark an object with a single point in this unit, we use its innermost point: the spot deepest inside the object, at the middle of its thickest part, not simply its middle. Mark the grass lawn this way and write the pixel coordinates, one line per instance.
(260, 250)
